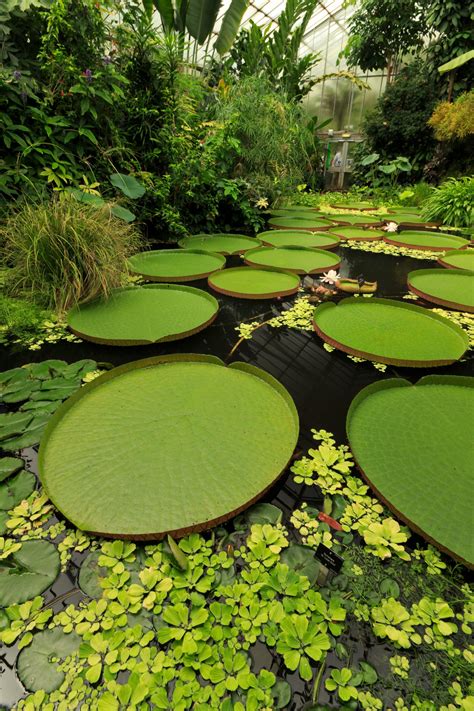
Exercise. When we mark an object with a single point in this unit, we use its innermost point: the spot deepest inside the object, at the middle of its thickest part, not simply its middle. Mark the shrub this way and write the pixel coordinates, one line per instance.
(452, 203)
(61, 251)
(454, 120)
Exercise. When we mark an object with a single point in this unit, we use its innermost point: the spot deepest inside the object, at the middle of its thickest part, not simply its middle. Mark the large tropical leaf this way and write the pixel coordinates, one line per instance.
(128, 185)
(165, 8)
(230, 25)
(200, 18)
(456, 62)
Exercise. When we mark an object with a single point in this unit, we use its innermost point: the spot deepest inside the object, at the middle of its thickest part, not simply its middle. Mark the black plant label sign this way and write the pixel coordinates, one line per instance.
(330, 559)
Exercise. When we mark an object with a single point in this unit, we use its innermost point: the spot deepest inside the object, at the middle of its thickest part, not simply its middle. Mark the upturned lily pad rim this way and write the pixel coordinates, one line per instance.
(144, 342)
(177, 279)
(306, 225)
(333, 239)
(392, 217)
(383, 359)
(388, 384)
(252, 240)
(296, 248)
(369, 236)
(367, 207)
(444, 263)
(436, 299)
(398, 243)
(146, 363)
(246, 295)
(345, 221)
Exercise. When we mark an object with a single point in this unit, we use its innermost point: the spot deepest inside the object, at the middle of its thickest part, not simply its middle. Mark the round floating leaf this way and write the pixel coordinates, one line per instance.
(313, 224)
(405, 218)
(220, 243)
(300, 238)
(32, 433)
(432, 241)
(167, 445)
(28, 572)
(176, 264)
(37, 665)
(453, 288)
(250, 283)
(9, 465)
(301, 559)
(90, 575)
(404, 210)
(414, 446)
(458, 259)
(390, 332)
(300, 260)
(260, 513)
(354, 206)
(356, 233)
(346, 218)
(15, 489)
(143, 315)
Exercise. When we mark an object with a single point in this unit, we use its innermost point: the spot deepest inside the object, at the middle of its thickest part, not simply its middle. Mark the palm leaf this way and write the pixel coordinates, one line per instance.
(456, 62)
(230, 25)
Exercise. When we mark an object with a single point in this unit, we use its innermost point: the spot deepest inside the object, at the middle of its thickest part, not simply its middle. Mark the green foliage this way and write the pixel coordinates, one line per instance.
(273, 52)
(451, 24)
(398, 123)
(381, 32)
(61, 252)
(455, 120)
(452, 203)
(273, 155)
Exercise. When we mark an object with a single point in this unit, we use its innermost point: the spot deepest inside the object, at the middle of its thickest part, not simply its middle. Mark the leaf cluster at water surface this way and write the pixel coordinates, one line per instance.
(143, 315)
(160, 419)
(414, 445)
(390, 332)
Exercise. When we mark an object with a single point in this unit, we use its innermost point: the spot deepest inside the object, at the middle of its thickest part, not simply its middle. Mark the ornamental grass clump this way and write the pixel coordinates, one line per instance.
(60, 252)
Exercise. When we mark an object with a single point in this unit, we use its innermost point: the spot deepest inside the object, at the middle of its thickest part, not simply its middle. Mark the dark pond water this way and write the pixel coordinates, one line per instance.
(322, 385)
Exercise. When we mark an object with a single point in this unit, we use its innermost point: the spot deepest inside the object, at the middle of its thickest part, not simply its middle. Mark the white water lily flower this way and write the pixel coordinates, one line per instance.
(330, 277)
(391, 227)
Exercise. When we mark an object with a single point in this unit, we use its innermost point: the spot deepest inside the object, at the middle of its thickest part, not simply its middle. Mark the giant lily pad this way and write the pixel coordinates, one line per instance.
(433, 241)
(143, 315)
(37, 665)
(407, 219)
(346, 218)
(176, 264)
(356, 233)
(300, 238)
(300, 260)
(390, 332)
(354, 206)
(453, 288)
(458, 259)
(28, 572)
(221, 243)
(171, 444)
(250, 283)
(313, 224)
(413, 444)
